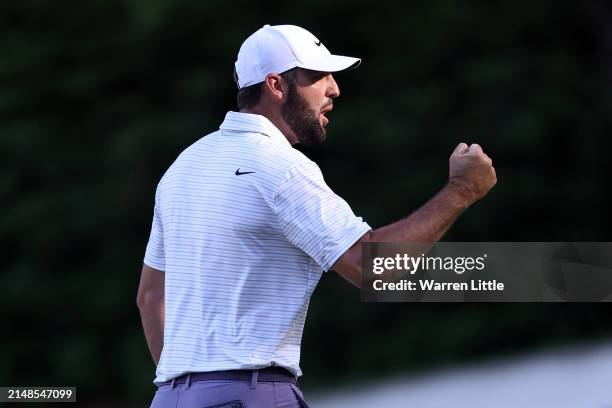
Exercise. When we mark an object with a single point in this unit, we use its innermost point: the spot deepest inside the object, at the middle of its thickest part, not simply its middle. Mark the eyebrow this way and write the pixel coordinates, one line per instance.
(319, 74)
(313, 72)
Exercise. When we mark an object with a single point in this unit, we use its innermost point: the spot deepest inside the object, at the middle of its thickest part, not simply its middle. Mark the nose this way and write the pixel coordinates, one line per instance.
(333, 91)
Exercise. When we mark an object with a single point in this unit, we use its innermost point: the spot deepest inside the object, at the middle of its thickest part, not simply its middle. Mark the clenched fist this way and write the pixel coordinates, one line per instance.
(472, 172)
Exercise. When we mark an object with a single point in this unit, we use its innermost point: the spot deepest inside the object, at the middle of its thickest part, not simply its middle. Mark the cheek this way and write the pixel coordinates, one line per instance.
(318, 101)
(314, 98)
(314, 104)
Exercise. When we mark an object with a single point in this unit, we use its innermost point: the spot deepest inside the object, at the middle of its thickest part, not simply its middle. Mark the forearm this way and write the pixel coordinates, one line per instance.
(152, 316)
(471, 176)
(422, 228)
(427, 224)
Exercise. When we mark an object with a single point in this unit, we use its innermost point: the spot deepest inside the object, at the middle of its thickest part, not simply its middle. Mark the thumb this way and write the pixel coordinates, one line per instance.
(461, 148)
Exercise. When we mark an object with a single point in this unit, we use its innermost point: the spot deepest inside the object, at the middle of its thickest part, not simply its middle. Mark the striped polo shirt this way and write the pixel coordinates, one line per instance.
(243, 227)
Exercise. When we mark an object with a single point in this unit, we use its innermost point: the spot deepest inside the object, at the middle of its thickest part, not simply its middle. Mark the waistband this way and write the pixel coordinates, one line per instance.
(268, 374)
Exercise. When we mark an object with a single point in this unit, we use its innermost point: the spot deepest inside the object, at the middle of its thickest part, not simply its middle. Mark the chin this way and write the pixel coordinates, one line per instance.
(314, 140)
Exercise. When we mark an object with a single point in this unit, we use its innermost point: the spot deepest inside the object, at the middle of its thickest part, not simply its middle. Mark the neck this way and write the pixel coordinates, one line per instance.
(277, 120)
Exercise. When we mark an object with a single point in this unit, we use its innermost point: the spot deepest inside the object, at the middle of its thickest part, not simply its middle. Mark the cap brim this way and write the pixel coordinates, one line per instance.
(332, 63)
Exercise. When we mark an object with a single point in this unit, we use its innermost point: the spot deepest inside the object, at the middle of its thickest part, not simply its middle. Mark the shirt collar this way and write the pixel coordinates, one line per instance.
(250, 122)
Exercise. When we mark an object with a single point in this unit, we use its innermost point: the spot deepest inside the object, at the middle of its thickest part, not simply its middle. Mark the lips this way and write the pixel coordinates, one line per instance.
(324, 120)
(327, 109)
(324, 112)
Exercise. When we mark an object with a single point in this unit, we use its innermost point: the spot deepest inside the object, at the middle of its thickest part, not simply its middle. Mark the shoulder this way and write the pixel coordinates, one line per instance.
(275, 160)
(189, 161)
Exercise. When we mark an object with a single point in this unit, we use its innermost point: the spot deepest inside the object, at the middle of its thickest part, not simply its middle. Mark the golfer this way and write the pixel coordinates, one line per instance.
(244, 226)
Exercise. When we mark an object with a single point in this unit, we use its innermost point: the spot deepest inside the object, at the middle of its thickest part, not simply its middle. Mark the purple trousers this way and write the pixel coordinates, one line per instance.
(229, 394)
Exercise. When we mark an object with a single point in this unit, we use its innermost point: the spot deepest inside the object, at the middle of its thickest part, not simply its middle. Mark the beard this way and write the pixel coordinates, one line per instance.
(301, 119)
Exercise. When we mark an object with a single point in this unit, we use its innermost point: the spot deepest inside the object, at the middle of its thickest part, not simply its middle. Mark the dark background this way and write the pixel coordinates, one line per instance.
(97, 98)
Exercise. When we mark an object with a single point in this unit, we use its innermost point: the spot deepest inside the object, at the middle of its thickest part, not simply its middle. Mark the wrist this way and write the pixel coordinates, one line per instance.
(457, 194)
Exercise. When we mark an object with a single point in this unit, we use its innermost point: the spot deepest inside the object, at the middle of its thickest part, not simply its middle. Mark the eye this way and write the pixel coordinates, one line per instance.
(319, 75)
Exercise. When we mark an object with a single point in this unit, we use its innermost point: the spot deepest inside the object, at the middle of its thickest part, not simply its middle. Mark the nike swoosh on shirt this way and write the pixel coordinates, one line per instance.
(240, 173)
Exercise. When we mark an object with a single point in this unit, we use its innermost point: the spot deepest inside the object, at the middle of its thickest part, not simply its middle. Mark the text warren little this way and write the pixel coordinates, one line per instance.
(431, 285)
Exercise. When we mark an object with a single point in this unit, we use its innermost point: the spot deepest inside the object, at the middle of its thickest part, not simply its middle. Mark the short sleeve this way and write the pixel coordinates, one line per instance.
(155, 254)
(314, 218)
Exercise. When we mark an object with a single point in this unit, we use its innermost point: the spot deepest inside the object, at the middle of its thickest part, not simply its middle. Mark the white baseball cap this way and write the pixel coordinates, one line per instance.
(276, 49)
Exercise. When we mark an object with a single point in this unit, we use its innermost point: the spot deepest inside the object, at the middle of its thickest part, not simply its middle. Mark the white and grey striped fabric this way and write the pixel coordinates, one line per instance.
(244, 225)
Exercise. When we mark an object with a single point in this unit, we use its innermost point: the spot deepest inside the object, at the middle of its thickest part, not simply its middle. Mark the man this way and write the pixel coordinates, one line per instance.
(244, 226)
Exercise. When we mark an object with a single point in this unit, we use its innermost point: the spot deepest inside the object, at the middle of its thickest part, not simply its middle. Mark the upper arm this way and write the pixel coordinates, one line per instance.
(155, 254)
(151, 287)
(349, 264)
(313, 218)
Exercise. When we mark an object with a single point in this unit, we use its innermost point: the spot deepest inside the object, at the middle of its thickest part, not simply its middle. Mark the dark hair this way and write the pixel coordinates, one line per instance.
(249, 96)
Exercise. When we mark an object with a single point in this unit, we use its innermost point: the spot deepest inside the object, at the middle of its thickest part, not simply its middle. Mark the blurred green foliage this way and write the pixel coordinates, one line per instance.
(97, 98)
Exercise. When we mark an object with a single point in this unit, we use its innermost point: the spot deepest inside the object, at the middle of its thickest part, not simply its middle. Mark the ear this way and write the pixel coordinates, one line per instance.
(274, 87)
